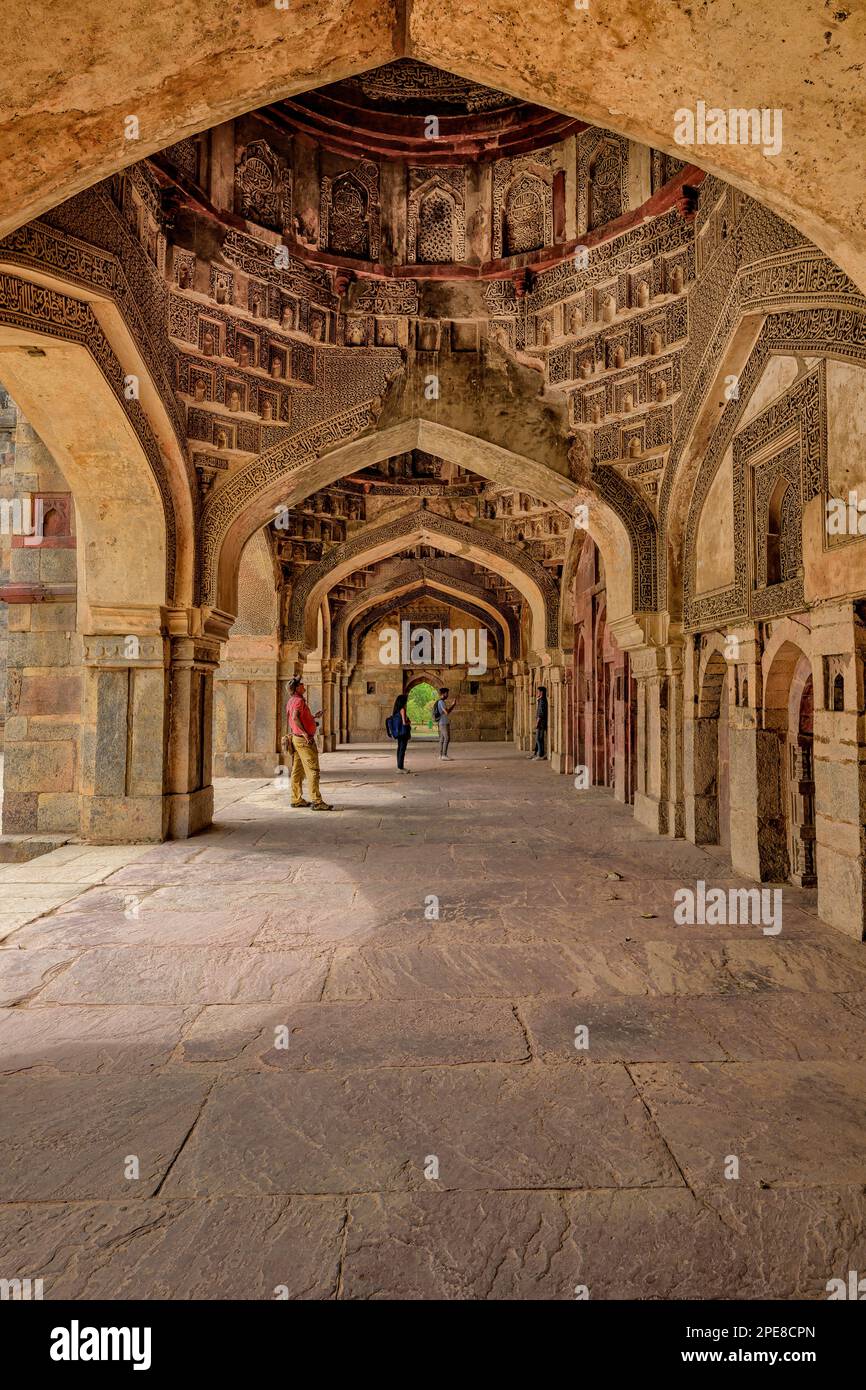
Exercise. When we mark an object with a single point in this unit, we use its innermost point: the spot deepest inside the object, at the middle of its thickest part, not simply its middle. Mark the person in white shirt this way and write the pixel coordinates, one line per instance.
(442, 715)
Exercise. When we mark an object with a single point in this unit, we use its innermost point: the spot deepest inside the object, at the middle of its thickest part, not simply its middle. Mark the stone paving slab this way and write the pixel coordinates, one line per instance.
(156, 975)
(455, 970)
(489, 1127)
(616, 1245)
(70, 1137)
(22, 973)
(773, 1026)
(87, 1038)
(155, 1249)
(343, 1036)
(790, 1123)
(136, 926)
(630, 1030)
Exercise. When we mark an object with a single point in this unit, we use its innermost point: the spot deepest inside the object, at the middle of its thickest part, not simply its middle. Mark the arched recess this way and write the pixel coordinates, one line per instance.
(436, 583)
(424, 527)
(373, 614)
(123, 542)
(230, 518)
(787, 715)
(42, 296)
(184, 76)
(125, 772)
(740, 351)
(246, 717)
(707, 749)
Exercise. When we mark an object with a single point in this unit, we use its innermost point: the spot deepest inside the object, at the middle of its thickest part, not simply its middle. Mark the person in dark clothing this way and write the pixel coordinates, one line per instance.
(540, 724)
(399, 711)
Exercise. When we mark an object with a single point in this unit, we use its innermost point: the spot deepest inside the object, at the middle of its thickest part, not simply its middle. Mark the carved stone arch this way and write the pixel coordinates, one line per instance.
(286, 475)
(638, 518)
(789, 643)
(440, 583)
(84, 294)
(70, 387)
(713, 670)
(790, 433)
(377, 542)
(737, 351)
(370, 616)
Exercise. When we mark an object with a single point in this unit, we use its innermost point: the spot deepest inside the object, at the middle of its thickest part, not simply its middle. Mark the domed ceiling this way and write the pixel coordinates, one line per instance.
(411, 111)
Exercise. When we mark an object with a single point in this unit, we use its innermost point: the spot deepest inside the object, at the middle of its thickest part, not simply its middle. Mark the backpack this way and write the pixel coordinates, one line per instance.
(437, 713)
(392, 726)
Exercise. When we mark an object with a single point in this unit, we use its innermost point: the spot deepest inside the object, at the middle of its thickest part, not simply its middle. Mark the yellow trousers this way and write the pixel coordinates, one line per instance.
(305, 764)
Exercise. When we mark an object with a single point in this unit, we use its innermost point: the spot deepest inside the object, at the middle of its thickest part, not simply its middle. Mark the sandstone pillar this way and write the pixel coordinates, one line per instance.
(700, 755)
(189, 768)
(839, 751)
(562, 722)
(246, 708)
(124, 732)
(758, 840)
(658, 799)
(329, 740)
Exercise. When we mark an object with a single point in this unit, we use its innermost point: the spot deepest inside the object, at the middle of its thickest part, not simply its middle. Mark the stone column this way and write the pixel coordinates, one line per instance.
(329, 740)
(124, 732)
(344, 707)
(839, 751)
(519, 705)
(700, 756)
(658, 800)
(758, 841)
(189, 768)
(246, 736)
(675, 787)
(509, 707)
(561, 716)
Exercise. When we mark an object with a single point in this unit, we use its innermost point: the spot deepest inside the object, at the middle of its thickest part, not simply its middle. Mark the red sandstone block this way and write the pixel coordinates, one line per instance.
(51, 694)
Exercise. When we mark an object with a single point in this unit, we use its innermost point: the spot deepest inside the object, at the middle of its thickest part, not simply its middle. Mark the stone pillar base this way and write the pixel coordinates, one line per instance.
(189, 812)
(123, 820)
(651, 812)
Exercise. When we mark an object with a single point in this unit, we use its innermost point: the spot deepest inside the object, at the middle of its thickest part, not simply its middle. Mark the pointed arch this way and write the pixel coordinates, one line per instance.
(424, 527)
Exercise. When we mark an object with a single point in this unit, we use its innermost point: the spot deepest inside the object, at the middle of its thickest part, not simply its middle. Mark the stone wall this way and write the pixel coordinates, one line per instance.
(43, 651)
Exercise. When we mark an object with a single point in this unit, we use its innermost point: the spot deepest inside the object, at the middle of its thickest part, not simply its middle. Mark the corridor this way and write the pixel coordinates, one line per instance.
(341, 1056)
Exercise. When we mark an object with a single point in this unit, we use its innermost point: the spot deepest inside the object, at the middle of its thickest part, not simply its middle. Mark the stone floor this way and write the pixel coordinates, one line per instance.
(148, 994)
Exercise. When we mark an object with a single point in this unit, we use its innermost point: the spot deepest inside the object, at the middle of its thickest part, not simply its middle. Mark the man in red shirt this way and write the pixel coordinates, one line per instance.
(301, 725)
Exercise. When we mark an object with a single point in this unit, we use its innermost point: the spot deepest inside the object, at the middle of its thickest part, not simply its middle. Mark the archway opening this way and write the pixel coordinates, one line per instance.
(419, 706)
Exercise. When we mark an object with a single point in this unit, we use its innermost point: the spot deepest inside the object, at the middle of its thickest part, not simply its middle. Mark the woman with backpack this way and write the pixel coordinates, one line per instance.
(402, 723)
